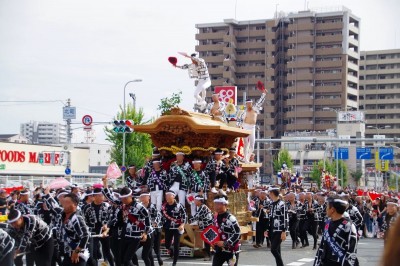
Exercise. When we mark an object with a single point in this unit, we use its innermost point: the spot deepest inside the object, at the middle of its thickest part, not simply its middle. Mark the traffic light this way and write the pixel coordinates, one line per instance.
(122, 126)
(41, 157)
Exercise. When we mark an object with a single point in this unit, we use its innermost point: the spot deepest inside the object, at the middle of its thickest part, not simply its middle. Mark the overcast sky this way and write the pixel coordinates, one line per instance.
(87, 50)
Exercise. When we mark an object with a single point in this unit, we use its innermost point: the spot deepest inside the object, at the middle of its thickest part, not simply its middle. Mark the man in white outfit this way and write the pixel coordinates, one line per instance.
(198, 70)
(248, 120)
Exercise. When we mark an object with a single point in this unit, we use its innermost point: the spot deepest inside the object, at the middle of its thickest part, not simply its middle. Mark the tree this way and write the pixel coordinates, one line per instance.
(317, 170)
(138, 145)
(283, 157)
(168, 103)
(342, 171)
(356, 175)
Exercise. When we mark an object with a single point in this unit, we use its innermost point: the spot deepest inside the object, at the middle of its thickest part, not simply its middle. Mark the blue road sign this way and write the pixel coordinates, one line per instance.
(123, 168)
(363, 153)
(343, 154)
(386, 154)
(67, 171)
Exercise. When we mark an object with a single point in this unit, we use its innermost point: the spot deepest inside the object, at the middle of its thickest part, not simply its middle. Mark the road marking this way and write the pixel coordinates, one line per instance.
(306, 260)
(204, 263)
(296, 263)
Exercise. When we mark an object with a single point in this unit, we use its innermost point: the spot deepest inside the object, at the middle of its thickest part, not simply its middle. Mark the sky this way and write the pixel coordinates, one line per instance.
(87, 50)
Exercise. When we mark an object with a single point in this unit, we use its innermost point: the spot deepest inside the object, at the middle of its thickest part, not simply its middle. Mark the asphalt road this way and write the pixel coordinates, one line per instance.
(369, 254)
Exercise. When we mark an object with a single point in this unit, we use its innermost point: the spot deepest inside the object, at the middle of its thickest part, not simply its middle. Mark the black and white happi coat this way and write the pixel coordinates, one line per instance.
(96, 216)
(314, 211)
(6, 244)
(388, 222)
(338, 243)
(155, 216)
(263, 207)
(214, 168)
(233, 164)
(156, 178)
(292, 211)
(302, 210)
(73, 233)
(229, 231)
(278, 219)
(24, 208)
(203, 216)
(199, 181)
(181, 174)
(135, 217)
(355, 216)
(33, 235)
(173, 215)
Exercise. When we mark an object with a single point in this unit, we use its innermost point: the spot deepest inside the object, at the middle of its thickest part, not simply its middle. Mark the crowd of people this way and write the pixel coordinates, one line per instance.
(77, 227)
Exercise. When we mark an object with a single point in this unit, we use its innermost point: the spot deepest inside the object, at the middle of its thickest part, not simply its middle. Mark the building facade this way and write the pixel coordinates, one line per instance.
(44, 132)
(308, 61)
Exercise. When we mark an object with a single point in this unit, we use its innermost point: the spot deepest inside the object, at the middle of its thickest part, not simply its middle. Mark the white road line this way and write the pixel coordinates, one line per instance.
(306, 260)
(205, 263)
(295, 263)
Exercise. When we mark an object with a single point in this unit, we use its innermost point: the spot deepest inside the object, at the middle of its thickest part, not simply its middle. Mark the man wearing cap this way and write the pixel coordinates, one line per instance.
(174, 219)
(228, 247)
(262, 205)
(198, 70)
(96, 217)
(278, 223)
(217, 169)
(156, 221)
(339, 239)
(179, 177)
(155, 178)
(200, 182)
(247, 120)
(203, 218)
(217, 108)
(392, 214)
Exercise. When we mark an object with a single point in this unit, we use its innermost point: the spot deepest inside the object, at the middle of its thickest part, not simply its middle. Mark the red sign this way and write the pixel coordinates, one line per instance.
(227, 94)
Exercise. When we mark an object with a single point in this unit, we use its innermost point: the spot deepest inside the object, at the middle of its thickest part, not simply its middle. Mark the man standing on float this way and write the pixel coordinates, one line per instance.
(198, 70)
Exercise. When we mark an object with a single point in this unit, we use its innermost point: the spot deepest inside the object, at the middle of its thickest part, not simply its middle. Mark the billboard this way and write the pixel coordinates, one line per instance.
(226, 93)
(351, 116)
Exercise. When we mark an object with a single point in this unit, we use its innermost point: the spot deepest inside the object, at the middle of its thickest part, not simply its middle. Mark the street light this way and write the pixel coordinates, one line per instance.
(123, 136)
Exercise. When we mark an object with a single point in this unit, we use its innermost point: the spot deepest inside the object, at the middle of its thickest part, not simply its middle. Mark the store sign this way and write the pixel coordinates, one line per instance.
(351, 116)
(227, 94)
(30, 157)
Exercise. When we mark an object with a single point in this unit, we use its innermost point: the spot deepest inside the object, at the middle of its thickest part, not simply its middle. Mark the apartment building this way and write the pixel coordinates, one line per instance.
(44, 132)
(308, 61)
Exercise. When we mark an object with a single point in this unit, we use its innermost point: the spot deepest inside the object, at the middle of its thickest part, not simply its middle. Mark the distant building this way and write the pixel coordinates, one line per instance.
(45, 133)
(99, 156)
(16, 138)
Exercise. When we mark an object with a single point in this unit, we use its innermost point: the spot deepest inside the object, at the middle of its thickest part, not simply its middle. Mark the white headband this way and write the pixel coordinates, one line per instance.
(179, 153)
(249, 101)
(219, 152)
(97, 193)
(61, 194)
(394, 203)
(16, 218)
(221, 200)
(273, 188)
(340, 201)
(197, 161)
(198, 198)
(156, 161)
(127, 195)
(169, 192)
(145, 194)
(24, 193)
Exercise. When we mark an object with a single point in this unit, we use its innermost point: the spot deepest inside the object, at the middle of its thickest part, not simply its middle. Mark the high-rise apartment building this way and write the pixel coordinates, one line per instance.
(44, 132)
(380, 92)
(309, 62)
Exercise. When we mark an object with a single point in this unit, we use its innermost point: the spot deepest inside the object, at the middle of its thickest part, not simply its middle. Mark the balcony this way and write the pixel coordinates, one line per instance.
(301, 39)
(352, 91)
(330, 26)
(328, 102)
(329, 38)
(251, 57)
(214, 59)
(299, 89)
(230, 39)
(269, 121)
(251, 45)
(353, 29)
(326, 64)
(271, 48)
(271, 35)
(229, 50)
(298, 127)
(353, 42)
(209, 47)
(325, 114)
(328, 51)
(352, 78)
(269, 109)
(303, 51)
(300, 101)
(302, 114)
(302, 76)
(352, 66)
(210, 36)
(216, 70)
(301, 26)
(270, 72)
(217, 82)
(328, 76)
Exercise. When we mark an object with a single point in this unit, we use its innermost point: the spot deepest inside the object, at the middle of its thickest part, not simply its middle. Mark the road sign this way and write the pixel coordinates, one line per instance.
(87, 128)
(87, 120)
(67, 171)
(2, 167)
(363, 153)
(343, 154)
(381, 165)
(386, 154)
(123, 168)
(69, 112)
